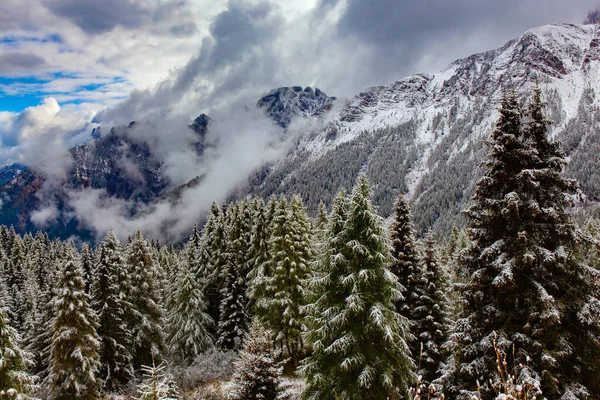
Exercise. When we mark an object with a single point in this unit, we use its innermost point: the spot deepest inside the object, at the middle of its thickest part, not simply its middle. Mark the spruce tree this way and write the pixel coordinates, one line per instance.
(407, 267)
(234, 318)
(15, 381)
(74, 356)
(525, 285)
(290, 255)
(215, 239)
(87, 264)
(358, 338)
(259, 250)
(145, 322)
(109, 290)
(432, 323)
(188, 321)
(257, 373)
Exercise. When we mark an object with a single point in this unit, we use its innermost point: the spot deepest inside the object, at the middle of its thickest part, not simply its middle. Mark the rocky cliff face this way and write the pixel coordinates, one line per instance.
(285, 103)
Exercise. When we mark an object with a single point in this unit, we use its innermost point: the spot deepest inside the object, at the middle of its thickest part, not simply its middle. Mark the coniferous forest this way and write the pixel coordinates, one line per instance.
(267, 302)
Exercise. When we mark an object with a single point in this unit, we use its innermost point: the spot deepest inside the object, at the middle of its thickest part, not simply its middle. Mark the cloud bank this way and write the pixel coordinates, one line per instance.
(186, 57)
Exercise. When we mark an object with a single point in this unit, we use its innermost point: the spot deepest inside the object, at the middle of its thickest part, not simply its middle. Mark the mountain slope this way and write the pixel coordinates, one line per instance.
(424, 134)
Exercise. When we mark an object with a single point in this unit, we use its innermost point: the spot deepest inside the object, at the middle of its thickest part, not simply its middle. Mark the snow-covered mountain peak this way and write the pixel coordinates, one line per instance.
(427, 126)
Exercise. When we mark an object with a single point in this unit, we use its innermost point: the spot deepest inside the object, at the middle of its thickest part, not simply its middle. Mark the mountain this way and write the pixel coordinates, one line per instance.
(424, 135)
(285, 103)
(125, 167)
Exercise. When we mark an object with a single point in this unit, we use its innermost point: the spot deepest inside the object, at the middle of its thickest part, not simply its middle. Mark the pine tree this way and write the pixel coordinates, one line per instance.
(291, 254)
(234, 319)
(358, 339)
(145, 322)
(157, 385)
(433, 322)
(15, 381)
(259, 249)
(215, 239)
(74, 358)
(524, 283)
(257, 373)
(188, 320)
(407, 267)
(109, 290)
(87, 264)
(16, 278)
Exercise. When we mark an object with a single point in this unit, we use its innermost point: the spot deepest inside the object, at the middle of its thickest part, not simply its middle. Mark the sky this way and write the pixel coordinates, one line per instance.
(68, 65)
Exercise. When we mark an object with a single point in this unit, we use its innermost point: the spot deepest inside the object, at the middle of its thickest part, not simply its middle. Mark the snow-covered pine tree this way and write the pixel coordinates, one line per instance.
(15, 381)
(215, 239)
(321, 218)
(188, 321)
(38, 339)
(524, 284)
(257, 373)
(87, 265)
(17, 276)
(433, 322)
(157, 384)
(407, 267)
(109, 291)
(259, 249)
(74, 356)
(358, 338)
(234, 319)
(145, 322)
(290, 256)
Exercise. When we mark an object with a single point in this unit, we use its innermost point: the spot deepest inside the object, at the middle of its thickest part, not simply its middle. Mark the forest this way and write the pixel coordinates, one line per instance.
(267, 302)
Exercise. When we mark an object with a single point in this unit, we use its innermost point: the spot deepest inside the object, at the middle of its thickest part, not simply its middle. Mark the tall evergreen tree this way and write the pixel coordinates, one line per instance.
(15, 381)
(215, 239)
(358, 339)
(290, 255)
(188, 321)
(145, 322)
(525, 285)
(234, 318)
(74, 358)
(432, 323)
(259, 250)
(407, 267)
(111, 284)
(87, 265)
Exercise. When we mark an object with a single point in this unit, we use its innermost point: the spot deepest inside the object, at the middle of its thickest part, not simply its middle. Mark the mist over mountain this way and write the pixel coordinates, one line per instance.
(423, 135)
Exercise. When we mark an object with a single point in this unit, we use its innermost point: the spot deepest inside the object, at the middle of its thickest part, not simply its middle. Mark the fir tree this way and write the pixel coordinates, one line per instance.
(188, 320)
(259, 249)
(15, 381)
(524, 283)
(358, 339)
(74, 358)
(290, 250)
(234, 319)
(407, 267)
(146, 319)
(433, 322)
(215, 239)
(87, 264)
(157, 385)
(109, 301)
(257, 372)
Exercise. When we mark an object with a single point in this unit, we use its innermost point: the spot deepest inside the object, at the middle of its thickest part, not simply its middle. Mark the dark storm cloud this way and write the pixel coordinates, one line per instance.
(237, 54)
(18, 62)
(400, 32)
(94, 16)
